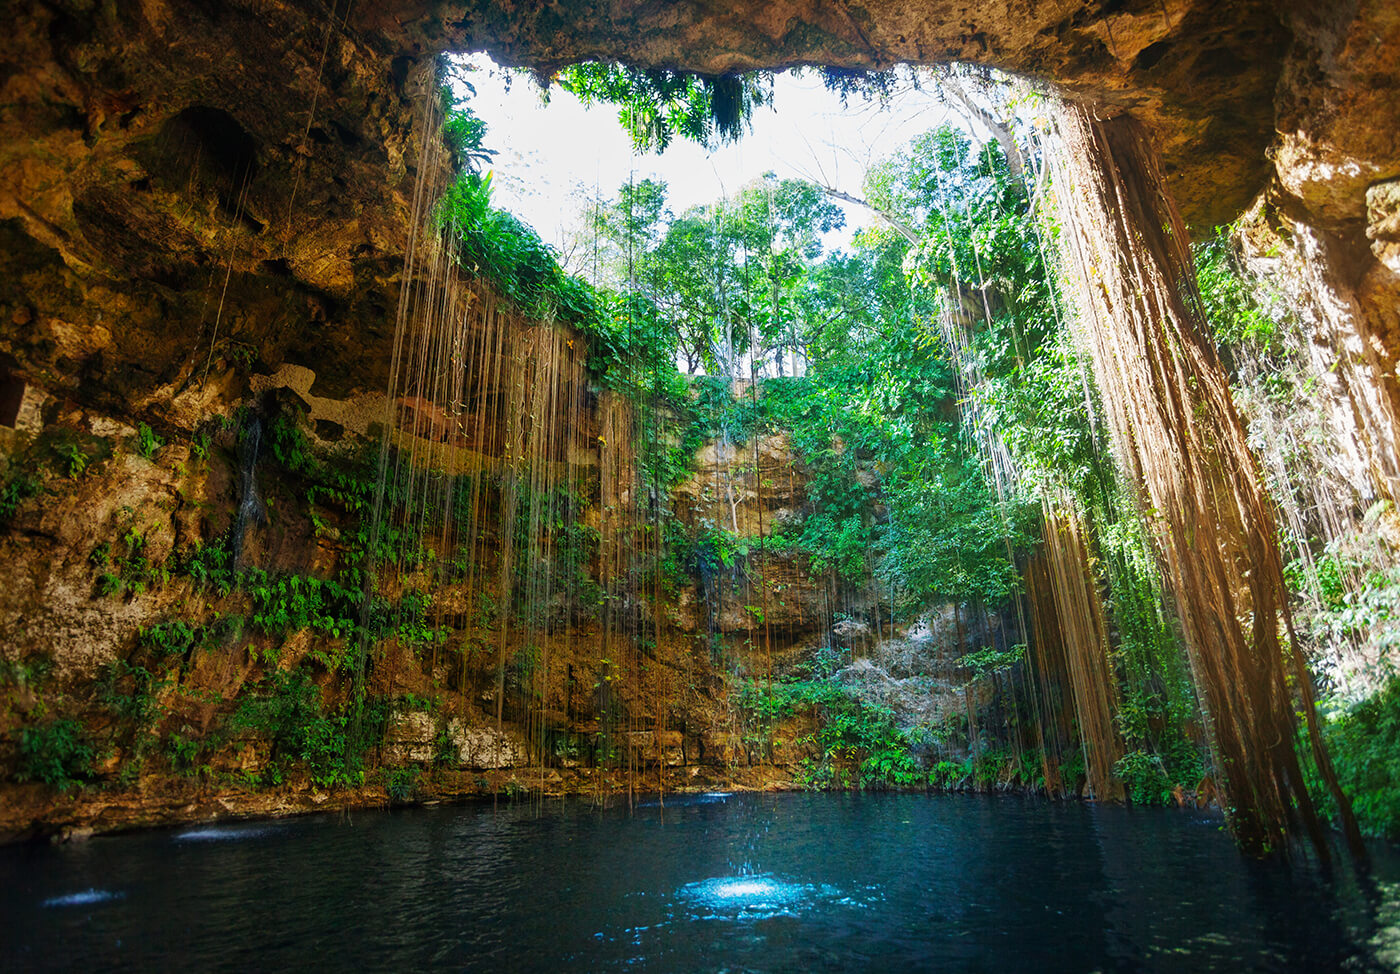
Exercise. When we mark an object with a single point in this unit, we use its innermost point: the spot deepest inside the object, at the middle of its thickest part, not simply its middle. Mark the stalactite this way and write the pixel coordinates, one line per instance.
(1175, 430)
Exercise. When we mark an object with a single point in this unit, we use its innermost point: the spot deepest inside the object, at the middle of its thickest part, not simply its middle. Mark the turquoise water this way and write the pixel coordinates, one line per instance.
(703, 883)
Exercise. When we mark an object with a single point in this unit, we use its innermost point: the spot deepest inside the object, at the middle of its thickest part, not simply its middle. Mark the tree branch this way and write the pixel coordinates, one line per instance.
(899, 226)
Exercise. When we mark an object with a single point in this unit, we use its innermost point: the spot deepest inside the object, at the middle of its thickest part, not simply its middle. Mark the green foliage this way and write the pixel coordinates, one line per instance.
(19, 485)
(656, 105)
(716, 550)
(286, 709)
(148, 444)
(1350, 587)
(75, 461)
(279, 604)
(183, 751)
(124, 568)
(288, 603)
(72, 454)
(210, 566)
(403, 785)
(728, 278)
(1072, 768)
(1229, 304)
(290, 446)
(991, 660)
(57, 753)
(445, 751)
(27, 672)
(1364, 743)
(462, 131)
(952, 775)
(496, 245)
(129, 691)
(855, 82)
(1157, 708)
(859, 744)
(175, 638)
(1145, 778)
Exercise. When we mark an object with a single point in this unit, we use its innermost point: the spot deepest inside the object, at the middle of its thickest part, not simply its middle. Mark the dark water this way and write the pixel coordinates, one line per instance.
(748, 882)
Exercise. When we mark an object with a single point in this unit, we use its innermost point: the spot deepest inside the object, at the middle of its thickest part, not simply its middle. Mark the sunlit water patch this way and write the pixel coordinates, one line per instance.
(750, 897)
(86, 897)
(227, 833)
(686, 800)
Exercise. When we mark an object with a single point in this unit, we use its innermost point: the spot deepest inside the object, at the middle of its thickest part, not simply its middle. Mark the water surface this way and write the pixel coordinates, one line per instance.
(699, 883)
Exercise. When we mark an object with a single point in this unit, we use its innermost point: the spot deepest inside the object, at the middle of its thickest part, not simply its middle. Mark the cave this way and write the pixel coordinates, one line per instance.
(989, 562)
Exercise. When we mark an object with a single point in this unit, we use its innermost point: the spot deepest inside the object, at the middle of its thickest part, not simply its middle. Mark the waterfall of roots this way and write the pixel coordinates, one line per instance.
(509, 521)
(1071, 629)
(1339, 527)
(1176, 433)
(1061, 608)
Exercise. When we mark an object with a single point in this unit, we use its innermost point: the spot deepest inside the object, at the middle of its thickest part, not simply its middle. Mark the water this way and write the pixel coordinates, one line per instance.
(707, 883)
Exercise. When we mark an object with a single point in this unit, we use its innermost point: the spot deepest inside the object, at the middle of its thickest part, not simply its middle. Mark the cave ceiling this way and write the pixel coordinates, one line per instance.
(166, 168)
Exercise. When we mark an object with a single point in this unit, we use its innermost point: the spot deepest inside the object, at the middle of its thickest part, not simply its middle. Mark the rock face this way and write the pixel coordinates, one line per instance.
(189, 189)
(1327, 228)
(192, 191)
(203, 201)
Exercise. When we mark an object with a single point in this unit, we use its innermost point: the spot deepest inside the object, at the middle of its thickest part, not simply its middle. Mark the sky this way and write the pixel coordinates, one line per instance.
(551, 156)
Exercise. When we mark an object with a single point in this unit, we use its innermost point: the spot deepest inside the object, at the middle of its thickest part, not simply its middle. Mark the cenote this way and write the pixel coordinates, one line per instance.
(710, 882)
(700, 485)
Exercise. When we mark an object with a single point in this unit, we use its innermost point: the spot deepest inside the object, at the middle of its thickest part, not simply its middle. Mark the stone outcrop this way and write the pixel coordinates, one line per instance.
(196, 195)
(193, 192)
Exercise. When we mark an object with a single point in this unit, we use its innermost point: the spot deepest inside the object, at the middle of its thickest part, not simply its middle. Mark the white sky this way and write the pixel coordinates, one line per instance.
(551, 157)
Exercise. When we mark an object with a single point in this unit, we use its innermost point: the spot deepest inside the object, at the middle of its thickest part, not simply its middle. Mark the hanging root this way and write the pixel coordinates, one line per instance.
(1071, 630)
(1177, 434)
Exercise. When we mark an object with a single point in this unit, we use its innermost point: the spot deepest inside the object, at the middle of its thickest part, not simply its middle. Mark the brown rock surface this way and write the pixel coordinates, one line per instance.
(194, 188)
(193, 193)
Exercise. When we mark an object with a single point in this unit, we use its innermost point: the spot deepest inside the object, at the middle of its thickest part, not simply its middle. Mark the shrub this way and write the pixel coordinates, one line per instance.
(1365, 746)
(147, 442)
(287, 709)
(403, 785)
(57, 753)
(1144, 777)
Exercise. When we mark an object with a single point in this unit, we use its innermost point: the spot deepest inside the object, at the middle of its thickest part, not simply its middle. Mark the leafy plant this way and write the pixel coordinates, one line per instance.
(75, 461)
(147, 442)
(656, 105)
(19, 486)
(124, 567)
(128, 691)
(57, 753)
(183, 751)
(286, 709)
(1364, 742)
(403, 785)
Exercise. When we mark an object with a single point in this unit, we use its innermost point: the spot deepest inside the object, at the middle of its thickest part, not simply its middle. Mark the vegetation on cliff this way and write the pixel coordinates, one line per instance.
(910, 428)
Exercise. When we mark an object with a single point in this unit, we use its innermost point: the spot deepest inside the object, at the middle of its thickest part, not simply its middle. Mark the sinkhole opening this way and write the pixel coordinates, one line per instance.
(828, 384)
(788, 392)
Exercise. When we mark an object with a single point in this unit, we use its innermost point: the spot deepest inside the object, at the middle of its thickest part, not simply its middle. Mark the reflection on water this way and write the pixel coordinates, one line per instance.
(750, 897)
(700, 882)
(226, 833)
(1386, 940)
(83, 898)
